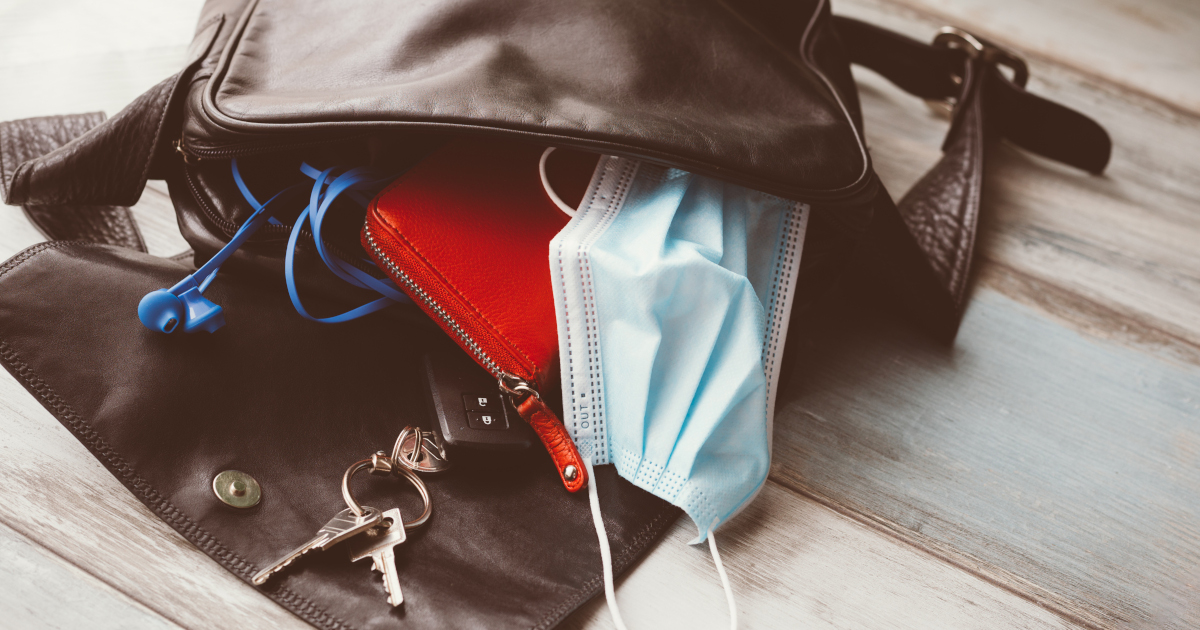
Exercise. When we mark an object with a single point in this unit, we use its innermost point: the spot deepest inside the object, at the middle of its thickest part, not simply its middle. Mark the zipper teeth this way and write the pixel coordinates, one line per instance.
(247, 149)
(420, 294)
(229, 227)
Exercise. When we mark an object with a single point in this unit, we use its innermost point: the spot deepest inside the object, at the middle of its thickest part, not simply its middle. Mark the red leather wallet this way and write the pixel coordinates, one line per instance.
(466, 234)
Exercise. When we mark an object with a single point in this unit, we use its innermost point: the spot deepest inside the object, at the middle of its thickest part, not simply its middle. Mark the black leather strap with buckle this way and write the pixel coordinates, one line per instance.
(923, 245)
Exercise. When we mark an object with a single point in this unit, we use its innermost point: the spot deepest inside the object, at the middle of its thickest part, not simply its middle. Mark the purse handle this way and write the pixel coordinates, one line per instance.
(922, 247)
(73, 174)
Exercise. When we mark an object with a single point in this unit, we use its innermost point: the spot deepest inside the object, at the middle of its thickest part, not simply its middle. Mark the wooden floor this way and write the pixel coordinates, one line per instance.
(1042, 473)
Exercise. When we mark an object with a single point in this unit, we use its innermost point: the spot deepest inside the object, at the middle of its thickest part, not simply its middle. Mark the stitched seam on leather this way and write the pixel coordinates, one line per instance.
(646, 535)
(970, 217)
(450, 285)
(198, 536)
(4, 152)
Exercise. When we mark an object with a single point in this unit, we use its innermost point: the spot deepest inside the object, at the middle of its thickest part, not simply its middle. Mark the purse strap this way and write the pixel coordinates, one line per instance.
(922, 247)
(74, 184)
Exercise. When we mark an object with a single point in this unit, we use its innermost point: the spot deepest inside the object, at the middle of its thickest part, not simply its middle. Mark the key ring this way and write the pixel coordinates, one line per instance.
(381, 462)
(426, 454)
(409, 462)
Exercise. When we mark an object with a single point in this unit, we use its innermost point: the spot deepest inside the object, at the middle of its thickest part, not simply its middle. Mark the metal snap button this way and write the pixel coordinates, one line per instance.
(237, 489)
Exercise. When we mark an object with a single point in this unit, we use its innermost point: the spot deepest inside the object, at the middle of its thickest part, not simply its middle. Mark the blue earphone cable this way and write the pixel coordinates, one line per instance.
(184, 306)
(326, 188)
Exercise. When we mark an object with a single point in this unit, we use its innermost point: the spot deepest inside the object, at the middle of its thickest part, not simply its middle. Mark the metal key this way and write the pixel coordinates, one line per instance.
(378, 544)
(342, 526)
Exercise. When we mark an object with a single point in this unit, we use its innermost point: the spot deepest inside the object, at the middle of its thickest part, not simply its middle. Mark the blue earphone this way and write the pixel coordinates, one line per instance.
(184, 306)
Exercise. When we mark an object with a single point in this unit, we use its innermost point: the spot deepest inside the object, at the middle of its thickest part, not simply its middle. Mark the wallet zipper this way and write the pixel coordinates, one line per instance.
(471, 344)
(522, 391)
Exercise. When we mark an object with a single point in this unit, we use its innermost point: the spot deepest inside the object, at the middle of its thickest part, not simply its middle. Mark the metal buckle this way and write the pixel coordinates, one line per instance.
(977, 47)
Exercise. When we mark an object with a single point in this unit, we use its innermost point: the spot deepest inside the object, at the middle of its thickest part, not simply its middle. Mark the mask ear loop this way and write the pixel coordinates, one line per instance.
(610, 591)
(712, 546)
(562, 205)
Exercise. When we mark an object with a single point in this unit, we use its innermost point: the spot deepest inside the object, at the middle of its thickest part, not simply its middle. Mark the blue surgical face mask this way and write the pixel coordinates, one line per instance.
(673, 293)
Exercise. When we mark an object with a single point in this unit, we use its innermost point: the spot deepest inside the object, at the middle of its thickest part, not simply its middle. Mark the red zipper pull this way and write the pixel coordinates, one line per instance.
(551, 431)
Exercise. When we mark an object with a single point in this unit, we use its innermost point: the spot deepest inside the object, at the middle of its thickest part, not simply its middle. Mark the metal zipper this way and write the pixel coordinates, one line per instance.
(419, 293)
(231, 152)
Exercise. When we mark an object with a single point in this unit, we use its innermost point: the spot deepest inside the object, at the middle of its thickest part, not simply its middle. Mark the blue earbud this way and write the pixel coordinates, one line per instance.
(161, 310)
(184, 306)
(165, 310)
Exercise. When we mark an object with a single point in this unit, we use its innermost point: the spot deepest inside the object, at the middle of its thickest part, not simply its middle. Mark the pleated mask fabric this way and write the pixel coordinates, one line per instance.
(672, 295)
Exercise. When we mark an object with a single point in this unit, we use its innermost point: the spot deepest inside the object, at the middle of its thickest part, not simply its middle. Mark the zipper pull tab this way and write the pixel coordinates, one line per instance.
(550, 430)
(181, 151)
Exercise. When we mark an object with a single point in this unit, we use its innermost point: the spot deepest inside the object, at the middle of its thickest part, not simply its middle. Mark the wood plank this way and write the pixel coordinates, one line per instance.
(1061, 466)
(40, 590)
(1146, 47)
(51, 51)
(1055, 463)
(1115, 255)
(155, 216)
(795, 564)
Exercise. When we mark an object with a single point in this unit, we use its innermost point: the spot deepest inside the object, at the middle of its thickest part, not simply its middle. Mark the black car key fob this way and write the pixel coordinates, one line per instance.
(467, 407)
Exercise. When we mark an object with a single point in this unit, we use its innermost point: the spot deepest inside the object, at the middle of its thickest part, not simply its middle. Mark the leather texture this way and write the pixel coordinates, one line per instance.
(925, 253)
(466, 233)
(689, 82)
(942, 208)
(472, 226)
(24, 140)
(242, 57)
(294, 403)
(553, 434)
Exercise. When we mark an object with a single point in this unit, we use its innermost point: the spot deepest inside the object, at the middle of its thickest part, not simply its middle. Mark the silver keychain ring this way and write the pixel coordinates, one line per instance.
(411, 460)
(427, 454)
(357, 508)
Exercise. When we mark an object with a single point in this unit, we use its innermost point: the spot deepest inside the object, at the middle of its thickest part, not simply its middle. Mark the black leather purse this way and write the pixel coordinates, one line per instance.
(756, 92)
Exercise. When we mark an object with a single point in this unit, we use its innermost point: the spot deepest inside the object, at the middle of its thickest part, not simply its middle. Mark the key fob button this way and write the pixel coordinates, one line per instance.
(486, 421)
(466, 407)
(481, 402)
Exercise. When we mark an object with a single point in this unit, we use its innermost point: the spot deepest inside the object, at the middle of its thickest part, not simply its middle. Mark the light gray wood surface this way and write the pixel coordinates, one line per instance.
(1144, 48)
(1043, 473)
(44, 591)
(1062, 465)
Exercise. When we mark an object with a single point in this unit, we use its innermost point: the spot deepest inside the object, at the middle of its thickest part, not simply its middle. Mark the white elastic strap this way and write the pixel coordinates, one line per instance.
(712, 546)
(610, 591)
(562, 205)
